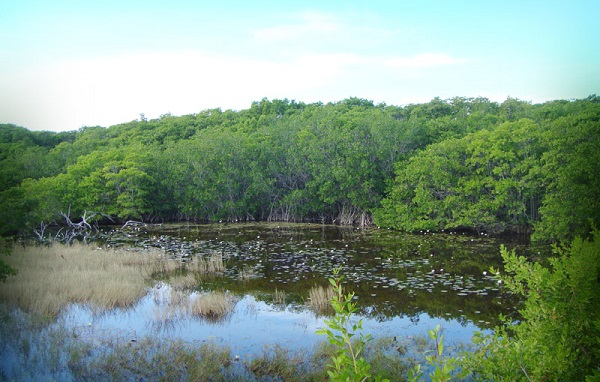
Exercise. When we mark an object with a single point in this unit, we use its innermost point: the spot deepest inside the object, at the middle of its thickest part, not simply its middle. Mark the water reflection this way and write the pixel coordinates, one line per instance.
(253, 326)
(404, 283)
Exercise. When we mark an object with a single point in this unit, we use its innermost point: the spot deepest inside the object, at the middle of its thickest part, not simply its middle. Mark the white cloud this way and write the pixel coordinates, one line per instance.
(117, 89)
(424, 60)
(310, 24)
(314, 58)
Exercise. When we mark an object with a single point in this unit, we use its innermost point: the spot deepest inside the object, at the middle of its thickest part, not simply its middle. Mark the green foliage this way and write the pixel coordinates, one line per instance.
(5, 269)
(539, 171)
(570, 169)
(557, 336)
(442, 366)
(483, 181)
(348, 364)
(14, 210)
(457, 163)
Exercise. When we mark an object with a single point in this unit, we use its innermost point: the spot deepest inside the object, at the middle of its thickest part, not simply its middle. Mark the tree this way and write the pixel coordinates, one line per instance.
(571, 172)
(485, 181)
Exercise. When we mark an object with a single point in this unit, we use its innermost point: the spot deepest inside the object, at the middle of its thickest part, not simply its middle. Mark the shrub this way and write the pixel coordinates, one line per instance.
(557, 338)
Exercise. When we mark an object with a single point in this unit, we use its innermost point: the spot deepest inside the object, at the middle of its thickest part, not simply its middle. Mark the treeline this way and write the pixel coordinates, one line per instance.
(462, 163)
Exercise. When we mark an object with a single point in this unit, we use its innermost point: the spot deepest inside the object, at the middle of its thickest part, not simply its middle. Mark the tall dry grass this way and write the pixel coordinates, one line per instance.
(214, 305)
(52, 277)
(187, 281)
(279, 297)
(212, 264)
(173, 304)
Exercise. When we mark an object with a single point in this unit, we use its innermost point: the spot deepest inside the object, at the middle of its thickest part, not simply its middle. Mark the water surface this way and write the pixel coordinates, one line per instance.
(404, 284)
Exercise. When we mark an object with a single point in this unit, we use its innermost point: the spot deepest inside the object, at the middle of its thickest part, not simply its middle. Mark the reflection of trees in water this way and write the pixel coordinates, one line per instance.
(393, 274)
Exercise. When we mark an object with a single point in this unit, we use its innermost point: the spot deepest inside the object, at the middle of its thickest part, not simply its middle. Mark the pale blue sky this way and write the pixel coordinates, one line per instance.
(67, 64)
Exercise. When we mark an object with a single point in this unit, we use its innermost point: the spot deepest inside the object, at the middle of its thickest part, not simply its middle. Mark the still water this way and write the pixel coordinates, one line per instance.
(404, 284)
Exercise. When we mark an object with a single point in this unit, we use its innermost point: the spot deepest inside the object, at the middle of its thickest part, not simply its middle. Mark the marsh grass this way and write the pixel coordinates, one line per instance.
(277, 364)
(201, 265)
(246, 274)
(55, 276)
(387, 357)
(319, 299)
(211, 264)
(171, 304)
(52, 277)
(155, 360)
(183, 281)
(214, 305)
(279, 297)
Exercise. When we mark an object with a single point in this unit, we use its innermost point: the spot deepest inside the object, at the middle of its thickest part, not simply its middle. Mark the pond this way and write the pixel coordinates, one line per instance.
(404, 284)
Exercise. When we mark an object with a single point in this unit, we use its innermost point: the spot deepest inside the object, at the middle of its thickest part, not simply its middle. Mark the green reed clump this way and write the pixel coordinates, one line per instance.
(442, 367)
(387, 357)
(154, 360)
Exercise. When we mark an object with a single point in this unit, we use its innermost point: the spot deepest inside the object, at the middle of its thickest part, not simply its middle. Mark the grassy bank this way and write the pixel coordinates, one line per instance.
(52, 277)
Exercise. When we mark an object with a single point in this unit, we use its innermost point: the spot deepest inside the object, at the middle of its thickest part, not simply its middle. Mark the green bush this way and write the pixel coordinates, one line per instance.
(557, 337)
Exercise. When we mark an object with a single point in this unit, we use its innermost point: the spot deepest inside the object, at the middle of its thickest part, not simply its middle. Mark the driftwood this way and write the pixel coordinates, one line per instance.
(134, 224)
(73, 230)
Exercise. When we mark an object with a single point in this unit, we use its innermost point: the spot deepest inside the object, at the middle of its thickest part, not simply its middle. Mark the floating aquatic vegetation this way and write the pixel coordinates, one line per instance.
(382, 266)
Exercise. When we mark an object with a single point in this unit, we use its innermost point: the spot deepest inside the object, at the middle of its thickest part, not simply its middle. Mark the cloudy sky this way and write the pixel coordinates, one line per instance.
(65, 64)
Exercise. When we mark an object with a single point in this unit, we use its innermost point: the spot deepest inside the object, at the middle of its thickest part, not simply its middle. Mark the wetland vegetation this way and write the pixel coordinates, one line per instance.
(185, 234)
(168, 277)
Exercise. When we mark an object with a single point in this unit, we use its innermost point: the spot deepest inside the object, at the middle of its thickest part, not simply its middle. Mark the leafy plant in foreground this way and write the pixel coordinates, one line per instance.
(442, 367)
(557, 338)
(348, 363)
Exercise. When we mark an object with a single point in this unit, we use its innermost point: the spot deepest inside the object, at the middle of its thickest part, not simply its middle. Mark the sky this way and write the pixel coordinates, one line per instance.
(65, 64)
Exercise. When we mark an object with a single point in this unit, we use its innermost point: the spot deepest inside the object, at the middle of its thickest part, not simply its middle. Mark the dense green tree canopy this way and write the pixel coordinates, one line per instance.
(462, 163)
